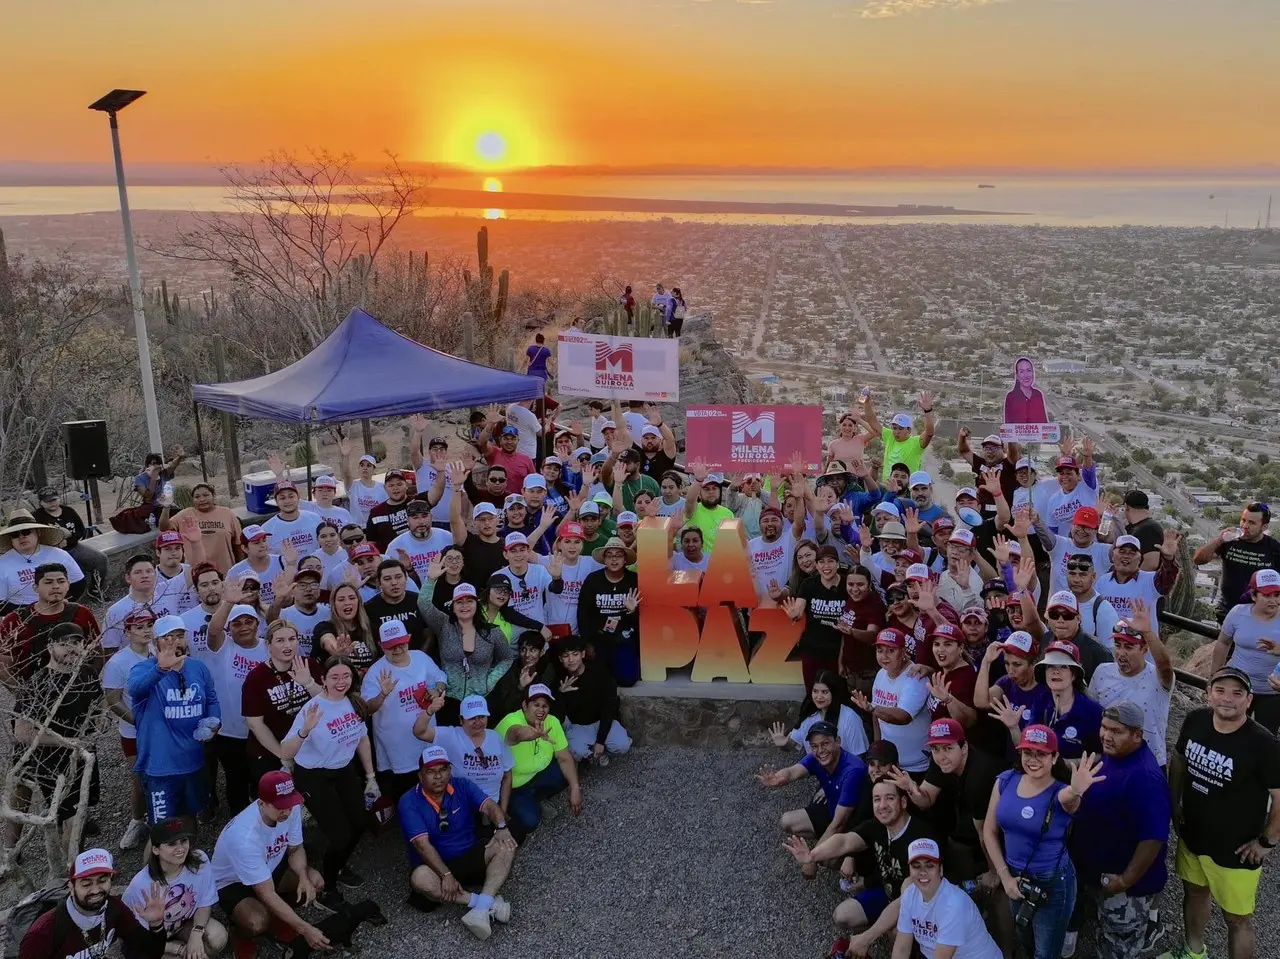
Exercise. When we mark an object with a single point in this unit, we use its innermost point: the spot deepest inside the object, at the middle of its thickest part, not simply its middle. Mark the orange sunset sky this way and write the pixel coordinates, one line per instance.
(1079, 84)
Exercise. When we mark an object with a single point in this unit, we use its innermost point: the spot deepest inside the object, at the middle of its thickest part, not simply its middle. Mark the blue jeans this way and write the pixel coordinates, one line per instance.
(1043, 939)
(526, 802)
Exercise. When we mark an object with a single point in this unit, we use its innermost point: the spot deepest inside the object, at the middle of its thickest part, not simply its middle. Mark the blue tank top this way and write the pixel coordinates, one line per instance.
(1021, 821)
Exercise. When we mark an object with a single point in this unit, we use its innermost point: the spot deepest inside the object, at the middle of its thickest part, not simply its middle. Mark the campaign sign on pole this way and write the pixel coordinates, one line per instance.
(618, 367)
(753, 439)
(1026, 418)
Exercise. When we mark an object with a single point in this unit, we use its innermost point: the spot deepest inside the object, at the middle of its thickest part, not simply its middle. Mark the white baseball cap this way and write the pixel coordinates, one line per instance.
(169, 624)
(241, 609)
(1128, 541)
(651, 430)
(93, 862)
(392, 633)
(924, 849)
(325, 482)
(920, 478)
(484, 509)
(472, 707)
(992, 439)
(515, 539)
(902, 420)
(367, 458)
(1063, 599)
(536, 479)
(435, 756)
(536, 690)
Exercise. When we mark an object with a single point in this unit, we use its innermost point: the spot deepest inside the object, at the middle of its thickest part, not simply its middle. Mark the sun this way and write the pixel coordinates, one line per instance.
(491, 147)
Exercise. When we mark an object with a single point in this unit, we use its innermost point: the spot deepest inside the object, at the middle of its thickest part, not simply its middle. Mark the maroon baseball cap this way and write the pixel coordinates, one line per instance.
(1039, 739)
(944, 732)
(948, 632)
(278, 789)
(361, 550)
(1066, 463)
(893, 638)
(286, 485)
(170, 537)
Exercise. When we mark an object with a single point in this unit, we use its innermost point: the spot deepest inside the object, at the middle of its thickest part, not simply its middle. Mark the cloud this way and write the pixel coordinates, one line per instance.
(884, 9)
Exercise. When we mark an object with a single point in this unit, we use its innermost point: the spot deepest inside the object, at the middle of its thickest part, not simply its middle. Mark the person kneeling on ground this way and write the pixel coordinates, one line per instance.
(544, 765)
(589, 702)
(91, 920)
(840, 774)
(936, 916)
(259, 860)
(438, 819)
(184, 875)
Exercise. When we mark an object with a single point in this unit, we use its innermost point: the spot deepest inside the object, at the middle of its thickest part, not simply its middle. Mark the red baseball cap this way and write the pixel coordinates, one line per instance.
(286, 485)
(910, 555)
(1066, 463)
(278, 789)
(170, 537)
(92, 862)
(571, 531)
(140, 614)
(361, 550)
(944, 732)
(1086, 516)
(893, 638)
(948, 632)
(1040, 739)
(1264, 581)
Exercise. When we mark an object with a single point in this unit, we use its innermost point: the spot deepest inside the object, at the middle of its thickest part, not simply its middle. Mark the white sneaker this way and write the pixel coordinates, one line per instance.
(1069, 945)
(477, 921)
(501, 910)
(133, 834)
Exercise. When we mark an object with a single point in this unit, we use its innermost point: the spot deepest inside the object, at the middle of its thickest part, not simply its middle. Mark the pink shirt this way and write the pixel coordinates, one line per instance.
(517, 465)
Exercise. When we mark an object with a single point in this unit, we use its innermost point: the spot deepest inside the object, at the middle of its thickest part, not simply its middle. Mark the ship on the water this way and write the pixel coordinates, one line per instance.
(986, 186)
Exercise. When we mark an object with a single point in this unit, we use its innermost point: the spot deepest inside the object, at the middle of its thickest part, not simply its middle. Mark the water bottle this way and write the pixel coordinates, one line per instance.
(1231, 535)
(1108, 520)
(166, 493)
(846, 884)
(151, 521)
(970, 887)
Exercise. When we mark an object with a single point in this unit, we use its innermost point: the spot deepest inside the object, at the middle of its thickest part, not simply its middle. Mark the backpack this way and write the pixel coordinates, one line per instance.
(27, 911)
(678, 312)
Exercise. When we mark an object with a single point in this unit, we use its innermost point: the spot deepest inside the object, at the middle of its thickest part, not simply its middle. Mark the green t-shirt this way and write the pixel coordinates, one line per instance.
(642, 482)
(532, 757)
(708, 520)
(909, 451)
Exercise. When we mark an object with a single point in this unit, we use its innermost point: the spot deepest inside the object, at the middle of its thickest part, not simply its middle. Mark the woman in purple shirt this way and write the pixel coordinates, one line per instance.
(1025, 836)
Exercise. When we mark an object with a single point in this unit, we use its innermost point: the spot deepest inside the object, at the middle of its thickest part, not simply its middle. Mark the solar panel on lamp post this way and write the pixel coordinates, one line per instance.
(112, 104)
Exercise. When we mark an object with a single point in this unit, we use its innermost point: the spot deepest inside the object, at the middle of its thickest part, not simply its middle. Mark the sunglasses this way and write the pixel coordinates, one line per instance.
(352, 540)
(1061, 614)
(1079, 567)
(497, 479)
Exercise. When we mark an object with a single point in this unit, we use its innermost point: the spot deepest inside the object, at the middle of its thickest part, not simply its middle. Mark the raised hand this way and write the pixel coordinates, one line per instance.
(797, 465)
(1000, 546)
(778, 733)
(405, 560)
(1140, 616)
(939, 688)
(990, 480)
(435, 569)
(282, 586)
(963, 433)
(555, 567)
(927, 601)
(289, 555)
(386, 682)
(793, 607)
(768, 776)
(700, 470)
(344, 645)
(153, 900)
(310, 718)
(775, 591)
(631, 600)
(275, 463)
(859, 699)
(569, 684)
(1087, 446)
(1169, 545)
(858, 467)
(798, 848)
(345, 447)
(189, 527)
(1067, 445)
(926, 400)
(234, 592)
(493, 414)
(911, 520)
(1085, 774)
(1021, 524)
(1006, 713)
(1024, 574)
(418, 424)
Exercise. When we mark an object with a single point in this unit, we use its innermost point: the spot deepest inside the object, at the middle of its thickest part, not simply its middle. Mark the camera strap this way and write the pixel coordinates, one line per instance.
(1044, 829)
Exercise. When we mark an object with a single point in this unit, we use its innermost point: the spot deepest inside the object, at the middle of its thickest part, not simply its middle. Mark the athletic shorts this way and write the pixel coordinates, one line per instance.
(1235, 890)
(819, 818)
(129, 747)
(469, 868)
(168, 796)
(232, 895)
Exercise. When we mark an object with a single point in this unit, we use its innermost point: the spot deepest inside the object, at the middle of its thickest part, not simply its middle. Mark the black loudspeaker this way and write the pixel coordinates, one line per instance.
(85, 443)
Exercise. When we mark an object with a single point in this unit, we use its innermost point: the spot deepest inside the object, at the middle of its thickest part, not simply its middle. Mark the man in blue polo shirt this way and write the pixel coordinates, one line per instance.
(438, 819)
(1121, 833)
(840, 774)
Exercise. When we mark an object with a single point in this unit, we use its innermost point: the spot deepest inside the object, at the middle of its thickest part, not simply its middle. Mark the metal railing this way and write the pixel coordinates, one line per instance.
(1207, 630)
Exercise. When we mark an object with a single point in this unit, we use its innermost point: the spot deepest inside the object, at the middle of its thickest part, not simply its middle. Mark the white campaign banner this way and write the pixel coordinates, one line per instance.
(618, 367)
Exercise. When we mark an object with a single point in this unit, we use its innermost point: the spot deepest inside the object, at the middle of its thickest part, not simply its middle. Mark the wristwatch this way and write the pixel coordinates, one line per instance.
(1266, 843)
(501, 825)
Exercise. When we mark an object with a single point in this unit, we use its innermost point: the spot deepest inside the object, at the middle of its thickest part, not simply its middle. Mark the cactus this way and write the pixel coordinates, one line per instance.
(1182, 600)
(489, 311)
(644, 320)
(164, 298)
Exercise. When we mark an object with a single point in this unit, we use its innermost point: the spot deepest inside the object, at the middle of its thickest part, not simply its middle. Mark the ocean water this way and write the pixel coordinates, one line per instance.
(1201, 201)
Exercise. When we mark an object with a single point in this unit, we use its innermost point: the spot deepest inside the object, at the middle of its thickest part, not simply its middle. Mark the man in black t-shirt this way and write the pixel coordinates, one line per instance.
(482, 553)
(1139, 523)
(1223, 772)
(1244, 550)
(394, 601)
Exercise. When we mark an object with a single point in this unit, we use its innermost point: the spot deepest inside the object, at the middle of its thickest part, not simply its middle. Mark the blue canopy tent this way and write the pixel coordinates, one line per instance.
(362, 370)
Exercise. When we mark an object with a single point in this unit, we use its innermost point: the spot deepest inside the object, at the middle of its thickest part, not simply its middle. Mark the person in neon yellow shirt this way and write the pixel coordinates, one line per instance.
(900, 444)
(702, 506)
(535, 738)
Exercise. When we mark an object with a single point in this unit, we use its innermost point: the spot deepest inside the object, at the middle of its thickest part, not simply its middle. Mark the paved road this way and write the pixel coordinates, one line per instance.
(877, 355)
(757, 339)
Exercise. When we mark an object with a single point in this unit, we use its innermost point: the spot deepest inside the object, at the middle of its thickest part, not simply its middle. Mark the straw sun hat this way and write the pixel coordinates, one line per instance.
(21, 520)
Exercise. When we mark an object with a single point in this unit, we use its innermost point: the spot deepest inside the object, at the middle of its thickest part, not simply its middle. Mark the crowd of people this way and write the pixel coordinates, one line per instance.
(986, 708)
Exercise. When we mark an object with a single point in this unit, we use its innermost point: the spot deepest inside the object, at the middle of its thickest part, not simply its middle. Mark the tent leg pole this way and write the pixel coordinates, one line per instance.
(306, 451)
(367, 430)
(204, 470)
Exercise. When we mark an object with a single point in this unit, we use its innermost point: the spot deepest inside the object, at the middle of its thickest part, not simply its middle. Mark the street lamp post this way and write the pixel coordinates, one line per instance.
(112, 104)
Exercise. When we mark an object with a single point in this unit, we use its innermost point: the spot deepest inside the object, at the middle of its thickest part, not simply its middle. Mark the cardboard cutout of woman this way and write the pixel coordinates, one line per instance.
(1024, 403)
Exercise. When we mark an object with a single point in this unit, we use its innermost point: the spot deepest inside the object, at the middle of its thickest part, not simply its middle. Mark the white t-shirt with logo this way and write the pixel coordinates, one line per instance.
(397, 748)
(331, 561)
(248, 850)
(950, 918)
(115, 675)
(230, 665)
(485, 772)
(528, 591)
(421, 551)
(426, 480)
(18, 573)
(179, 594)
(771, 561)
(196, 620)
(183, 895)
(338, 514)
(1057, 508)
(333, 741)
(562, 607)
(364, 498)
(1122, 595)
(909, 695)
(266, 581)
(301, 533)
(681, 562)
(1109, 686)
(526, 421)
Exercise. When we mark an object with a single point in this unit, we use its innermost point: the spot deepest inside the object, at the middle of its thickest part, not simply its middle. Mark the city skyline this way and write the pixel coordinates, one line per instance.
(1089, 85)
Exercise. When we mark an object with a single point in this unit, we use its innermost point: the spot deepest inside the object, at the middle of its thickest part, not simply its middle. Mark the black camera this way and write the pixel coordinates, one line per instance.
(1034, 896)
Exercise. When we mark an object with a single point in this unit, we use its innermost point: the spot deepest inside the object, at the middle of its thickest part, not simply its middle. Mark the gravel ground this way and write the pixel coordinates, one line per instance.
(677, 853)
